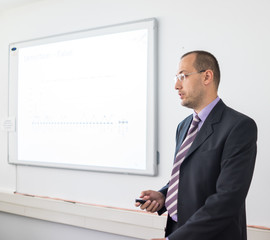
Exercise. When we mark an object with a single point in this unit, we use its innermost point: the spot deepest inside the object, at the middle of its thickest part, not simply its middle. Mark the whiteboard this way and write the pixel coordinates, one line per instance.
(86, 100)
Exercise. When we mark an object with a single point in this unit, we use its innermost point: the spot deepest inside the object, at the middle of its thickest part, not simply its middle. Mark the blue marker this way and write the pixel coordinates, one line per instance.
(13, 49)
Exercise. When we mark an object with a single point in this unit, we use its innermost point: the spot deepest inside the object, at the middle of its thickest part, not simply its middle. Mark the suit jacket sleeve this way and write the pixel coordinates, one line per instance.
(236, 170)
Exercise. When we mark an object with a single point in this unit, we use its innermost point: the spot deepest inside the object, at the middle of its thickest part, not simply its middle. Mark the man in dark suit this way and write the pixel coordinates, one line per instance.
(216, 172)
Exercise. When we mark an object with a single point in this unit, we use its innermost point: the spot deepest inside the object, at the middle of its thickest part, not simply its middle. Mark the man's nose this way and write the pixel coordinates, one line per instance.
(178, 85)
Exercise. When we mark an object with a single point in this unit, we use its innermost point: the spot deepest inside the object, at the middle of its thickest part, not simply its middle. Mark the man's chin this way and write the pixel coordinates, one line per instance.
(186, 104)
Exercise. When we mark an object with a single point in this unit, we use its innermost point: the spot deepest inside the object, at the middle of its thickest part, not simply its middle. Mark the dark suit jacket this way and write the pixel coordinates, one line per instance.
(215, 177)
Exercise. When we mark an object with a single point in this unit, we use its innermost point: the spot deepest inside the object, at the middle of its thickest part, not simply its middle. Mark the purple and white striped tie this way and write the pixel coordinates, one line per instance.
(171, 199)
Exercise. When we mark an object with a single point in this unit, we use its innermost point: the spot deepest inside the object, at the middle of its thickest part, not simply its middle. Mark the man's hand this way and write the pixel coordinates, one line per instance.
(154, 201)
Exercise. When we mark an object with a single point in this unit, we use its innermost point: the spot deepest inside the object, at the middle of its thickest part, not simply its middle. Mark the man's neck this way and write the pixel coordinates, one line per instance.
(206, 103)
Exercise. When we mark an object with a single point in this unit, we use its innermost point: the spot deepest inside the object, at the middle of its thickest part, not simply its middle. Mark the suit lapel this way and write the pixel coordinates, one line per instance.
(207, 128)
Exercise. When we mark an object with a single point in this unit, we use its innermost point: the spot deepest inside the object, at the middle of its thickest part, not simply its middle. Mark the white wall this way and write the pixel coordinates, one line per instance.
(236, 31)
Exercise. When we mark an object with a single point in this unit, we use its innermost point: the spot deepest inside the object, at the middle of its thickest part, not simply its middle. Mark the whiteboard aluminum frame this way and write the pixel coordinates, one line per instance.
(151, 134)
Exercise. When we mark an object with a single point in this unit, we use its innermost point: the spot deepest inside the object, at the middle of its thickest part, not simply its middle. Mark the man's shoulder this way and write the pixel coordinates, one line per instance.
(236, 115)
(229, 113)
(232, 119)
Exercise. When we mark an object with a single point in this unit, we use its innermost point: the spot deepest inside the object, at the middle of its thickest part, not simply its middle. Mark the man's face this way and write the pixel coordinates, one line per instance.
(190, 90)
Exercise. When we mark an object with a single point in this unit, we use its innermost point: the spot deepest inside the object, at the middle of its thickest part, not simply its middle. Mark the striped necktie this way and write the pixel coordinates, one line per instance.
(171, 199)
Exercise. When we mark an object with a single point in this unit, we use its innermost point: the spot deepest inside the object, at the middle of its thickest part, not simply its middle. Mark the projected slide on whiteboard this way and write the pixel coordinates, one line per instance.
(86, 100)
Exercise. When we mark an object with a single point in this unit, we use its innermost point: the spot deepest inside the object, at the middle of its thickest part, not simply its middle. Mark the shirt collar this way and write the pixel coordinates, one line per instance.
(203, 114)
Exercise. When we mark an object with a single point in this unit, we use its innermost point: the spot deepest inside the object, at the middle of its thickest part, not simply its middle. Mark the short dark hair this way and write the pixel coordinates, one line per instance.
(204, 61)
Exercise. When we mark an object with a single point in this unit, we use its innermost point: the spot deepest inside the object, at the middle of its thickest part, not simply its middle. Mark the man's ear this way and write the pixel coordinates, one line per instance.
(208, 77)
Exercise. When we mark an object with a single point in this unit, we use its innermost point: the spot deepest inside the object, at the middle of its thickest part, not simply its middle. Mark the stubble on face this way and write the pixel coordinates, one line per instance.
(193, 99)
